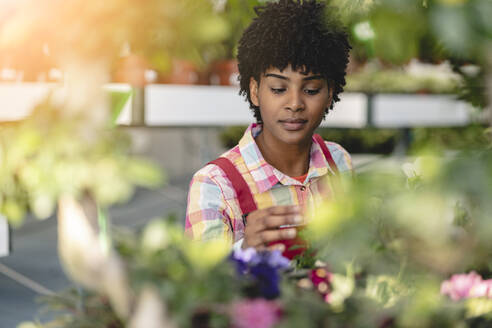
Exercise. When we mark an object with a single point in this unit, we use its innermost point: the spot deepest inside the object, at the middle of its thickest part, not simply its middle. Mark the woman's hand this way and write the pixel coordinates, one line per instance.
(263, 226)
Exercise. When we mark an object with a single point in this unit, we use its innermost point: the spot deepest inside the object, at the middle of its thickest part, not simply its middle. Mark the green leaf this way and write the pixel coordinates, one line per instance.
(144, 173)
(118, 100)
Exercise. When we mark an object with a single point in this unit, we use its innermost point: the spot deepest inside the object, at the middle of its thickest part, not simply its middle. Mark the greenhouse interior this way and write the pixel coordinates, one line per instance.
(360, 138)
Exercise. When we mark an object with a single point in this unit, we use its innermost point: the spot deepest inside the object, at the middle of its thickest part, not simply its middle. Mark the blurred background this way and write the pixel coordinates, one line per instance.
(124, 100)
(418, 70)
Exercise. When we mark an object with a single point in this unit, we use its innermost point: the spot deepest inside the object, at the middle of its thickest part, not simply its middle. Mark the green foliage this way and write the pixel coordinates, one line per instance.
(392, 21)
(431, 30)
(229, 136)
(388, 243)
(237, 15)
(456, 138)
(78, 308)
(155, 257)
(380, 80)
(406, 240)
(304, 309)
(464, 27)
(401, 236)
(182, 29)
(403, 28)
(473, 89)
(164, 264)
(386, 290)
(367, 140)
(118, 100)
(51, 154)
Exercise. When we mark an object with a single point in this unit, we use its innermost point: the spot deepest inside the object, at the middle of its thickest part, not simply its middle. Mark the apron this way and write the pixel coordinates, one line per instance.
(248, 204)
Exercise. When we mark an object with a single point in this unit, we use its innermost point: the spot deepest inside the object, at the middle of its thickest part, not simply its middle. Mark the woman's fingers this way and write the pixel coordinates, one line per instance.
(273, 210)
(267, 236)
(274, 217)
(277, 247)
(276, 221)
(263, 226)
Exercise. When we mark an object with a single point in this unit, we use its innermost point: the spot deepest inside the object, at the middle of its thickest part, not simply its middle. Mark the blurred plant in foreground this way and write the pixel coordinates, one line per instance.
(383, 250)
(53, 153)
(386, 255)
(58, 160)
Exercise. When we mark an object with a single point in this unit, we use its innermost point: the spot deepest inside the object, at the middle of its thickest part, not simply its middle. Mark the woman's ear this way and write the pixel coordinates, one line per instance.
(253, 91)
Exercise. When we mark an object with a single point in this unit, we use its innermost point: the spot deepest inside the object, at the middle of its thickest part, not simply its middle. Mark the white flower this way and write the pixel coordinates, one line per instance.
(155, 236)
(150, 312)
(364, 31)
(410, 170)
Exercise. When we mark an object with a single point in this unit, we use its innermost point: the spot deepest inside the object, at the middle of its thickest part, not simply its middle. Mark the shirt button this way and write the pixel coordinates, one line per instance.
(303, 188)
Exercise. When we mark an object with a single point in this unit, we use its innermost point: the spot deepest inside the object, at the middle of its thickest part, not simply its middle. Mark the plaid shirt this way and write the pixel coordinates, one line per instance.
(213, 209)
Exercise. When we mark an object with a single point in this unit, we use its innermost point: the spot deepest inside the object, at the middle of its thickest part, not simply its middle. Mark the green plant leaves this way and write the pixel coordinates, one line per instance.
(49, 155)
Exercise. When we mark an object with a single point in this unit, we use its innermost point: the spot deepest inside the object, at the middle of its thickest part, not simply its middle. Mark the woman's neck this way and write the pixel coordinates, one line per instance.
(292, 160)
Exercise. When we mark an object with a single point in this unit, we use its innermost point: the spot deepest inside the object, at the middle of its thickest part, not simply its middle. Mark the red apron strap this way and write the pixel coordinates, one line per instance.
(331, 162)
(244, 195)
(326, 152)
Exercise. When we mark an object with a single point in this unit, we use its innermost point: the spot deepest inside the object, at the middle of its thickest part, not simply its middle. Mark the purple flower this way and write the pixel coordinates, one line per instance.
(263, 267)
(268, 279)
(244, 258)
(276, 260)
(459, 286)
(249, 255)
(257, 313)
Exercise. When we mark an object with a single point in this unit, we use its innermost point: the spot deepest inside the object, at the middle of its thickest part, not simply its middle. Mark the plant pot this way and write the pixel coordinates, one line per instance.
(131, 69)
(224, 72)
(182, 72)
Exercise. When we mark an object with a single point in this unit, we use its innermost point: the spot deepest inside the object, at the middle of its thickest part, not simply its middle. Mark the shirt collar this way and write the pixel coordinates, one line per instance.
(265, 175)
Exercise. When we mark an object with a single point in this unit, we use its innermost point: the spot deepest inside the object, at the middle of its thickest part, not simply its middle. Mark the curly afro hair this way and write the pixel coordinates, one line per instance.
(303, 34)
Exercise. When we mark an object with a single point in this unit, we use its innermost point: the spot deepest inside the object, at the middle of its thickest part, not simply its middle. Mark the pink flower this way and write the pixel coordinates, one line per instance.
(462, 286)
(482, 289)
(321, 279)
(257, 313)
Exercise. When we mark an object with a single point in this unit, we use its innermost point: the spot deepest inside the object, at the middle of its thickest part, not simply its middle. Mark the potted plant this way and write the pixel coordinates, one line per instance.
(178, 57)
(237, 14)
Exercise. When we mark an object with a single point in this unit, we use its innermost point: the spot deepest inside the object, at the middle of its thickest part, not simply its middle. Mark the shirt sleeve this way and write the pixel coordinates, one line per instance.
(207, 212)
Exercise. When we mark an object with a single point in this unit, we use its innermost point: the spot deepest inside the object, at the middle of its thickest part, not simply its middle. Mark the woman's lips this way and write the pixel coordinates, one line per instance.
(293, 124)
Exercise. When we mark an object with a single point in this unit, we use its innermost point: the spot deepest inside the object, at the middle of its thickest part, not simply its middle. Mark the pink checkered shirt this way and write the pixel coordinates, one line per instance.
(213, 209)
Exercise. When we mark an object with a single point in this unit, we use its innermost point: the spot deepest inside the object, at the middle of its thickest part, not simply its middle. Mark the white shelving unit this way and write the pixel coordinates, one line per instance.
(180, 105)
(395, 111)
(174, 105)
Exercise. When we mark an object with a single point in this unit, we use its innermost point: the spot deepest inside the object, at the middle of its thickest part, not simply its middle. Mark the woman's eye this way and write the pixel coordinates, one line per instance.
(311, 92)
(277, 90)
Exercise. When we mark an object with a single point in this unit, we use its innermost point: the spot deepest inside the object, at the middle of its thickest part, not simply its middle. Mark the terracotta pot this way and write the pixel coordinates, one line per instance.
(224, 72)
(131, 69)
(183, 72)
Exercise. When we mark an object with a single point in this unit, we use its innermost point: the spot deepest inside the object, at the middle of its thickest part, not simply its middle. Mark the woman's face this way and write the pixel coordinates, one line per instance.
(292, 103)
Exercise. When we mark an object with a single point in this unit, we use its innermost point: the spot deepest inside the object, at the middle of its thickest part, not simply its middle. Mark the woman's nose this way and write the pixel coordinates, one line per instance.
(296, 102)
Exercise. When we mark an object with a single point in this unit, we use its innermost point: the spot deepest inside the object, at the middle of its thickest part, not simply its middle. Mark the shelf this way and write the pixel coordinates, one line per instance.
(182, 105)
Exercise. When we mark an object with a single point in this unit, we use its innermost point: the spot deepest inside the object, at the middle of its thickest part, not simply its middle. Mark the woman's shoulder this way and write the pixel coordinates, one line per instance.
(213, 180)
(340, 155)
